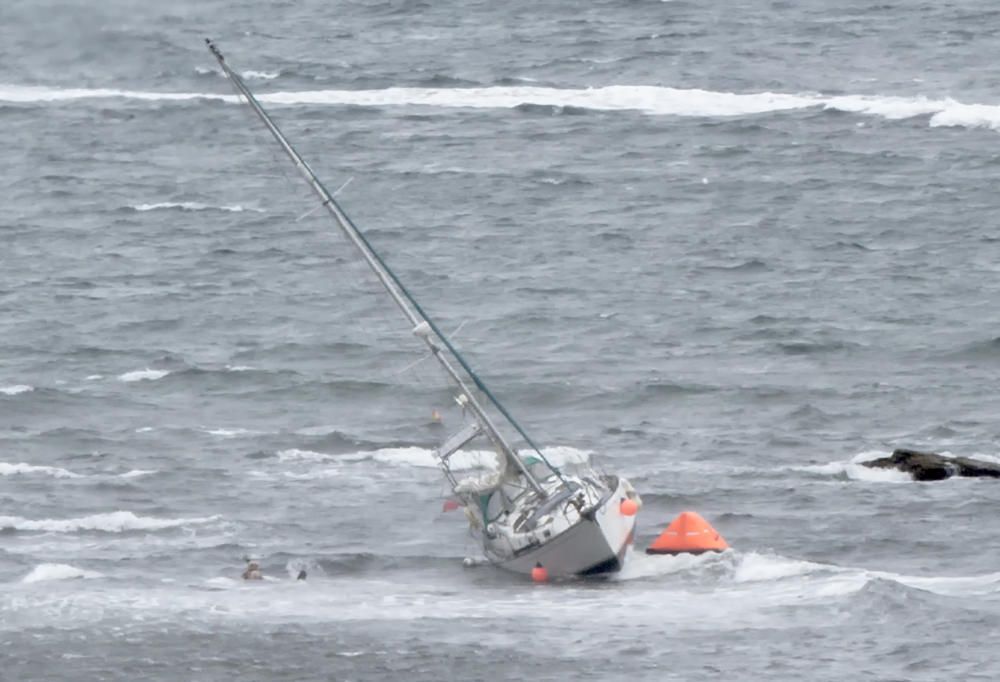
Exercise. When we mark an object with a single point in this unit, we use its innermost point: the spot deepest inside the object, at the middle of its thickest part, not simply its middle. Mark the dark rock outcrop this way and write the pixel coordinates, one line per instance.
(928, 466)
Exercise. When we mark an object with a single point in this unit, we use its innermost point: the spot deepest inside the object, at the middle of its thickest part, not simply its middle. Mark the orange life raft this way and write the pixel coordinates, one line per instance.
(688, 534)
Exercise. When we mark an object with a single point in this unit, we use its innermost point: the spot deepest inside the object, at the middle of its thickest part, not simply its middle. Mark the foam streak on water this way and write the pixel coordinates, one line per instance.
(653, 100)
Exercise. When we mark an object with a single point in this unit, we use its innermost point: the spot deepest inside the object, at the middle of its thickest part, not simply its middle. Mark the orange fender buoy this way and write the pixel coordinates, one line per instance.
(688, 534)
(629, 506)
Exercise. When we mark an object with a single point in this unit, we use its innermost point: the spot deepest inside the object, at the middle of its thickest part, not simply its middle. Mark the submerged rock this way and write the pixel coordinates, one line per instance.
(929, 466)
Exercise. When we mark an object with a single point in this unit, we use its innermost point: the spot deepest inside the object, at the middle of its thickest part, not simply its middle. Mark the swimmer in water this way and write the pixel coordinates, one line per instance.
(253, 571)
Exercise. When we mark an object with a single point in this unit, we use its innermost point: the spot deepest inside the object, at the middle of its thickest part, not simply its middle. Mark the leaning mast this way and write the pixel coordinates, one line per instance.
(423, 326)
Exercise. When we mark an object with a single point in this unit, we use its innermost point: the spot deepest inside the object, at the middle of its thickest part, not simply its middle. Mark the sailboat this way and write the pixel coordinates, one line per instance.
(528, 514)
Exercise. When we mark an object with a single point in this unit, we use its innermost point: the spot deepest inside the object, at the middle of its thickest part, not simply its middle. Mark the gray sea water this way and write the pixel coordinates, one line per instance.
(726, 249)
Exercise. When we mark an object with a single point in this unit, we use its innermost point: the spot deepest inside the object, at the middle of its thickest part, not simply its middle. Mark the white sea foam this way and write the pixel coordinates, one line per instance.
(231, 433)
(260, 75)
(112, 522)
(143, 375)
(192, 206)
(294, 454)
(47, 572)
(648, 99)
(754, 567)
(136, 473)
(854, 470)
(468, 459)
(16, 389)
(247, 75)
(7, 469)
(221, 582)
(363, 598)
(313, 475)
(94, 377)
(948, 585)
(653, 566)
(733, 566)
(653, 100)
(238, 368)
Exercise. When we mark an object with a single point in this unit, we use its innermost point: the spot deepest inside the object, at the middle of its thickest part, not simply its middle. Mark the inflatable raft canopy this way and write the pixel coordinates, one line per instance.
(688, 534)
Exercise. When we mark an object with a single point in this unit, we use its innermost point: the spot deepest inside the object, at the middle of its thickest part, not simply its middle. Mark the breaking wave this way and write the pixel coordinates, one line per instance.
(739, 568)
(136, 473)
(143, 375)
(425, 458)
(47, 572)
(112, 522)
(652, 100)
(232, 433)
(246, 75)
(16, 389)
(467, 459)
(22, 468)
(294, 454)
(191, 206)
(854, 470)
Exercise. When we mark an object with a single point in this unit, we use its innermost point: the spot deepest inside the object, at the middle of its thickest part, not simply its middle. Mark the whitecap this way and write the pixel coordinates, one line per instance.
(652, 566)
(948, 585)
(238, 368)
(855, 470)
(294, 454)
(231, 433)
(247, 75)
(314, 475)
(136, 473)
(192, 206)
(468, 459)
(651, 100)
(47, 572)
(94, 377)
(143, 375)
(7, 469)
(221, 581)
(260, 75)
(16, 389)
(112, 522)
(754, 567)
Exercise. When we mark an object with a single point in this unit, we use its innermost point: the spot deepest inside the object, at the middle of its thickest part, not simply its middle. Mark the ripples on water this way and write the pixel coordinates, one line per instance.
(730, 251)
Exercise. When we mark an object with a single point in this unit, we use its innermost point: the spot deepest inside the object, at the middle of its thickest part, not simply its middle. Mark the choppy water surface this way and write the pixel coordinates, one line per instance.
(729, 250)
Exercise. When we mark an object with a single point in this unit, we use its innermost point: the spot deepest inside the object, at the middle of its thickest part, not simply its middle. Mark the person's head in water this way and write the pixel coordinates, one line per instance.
(301, 575)
(252, 571)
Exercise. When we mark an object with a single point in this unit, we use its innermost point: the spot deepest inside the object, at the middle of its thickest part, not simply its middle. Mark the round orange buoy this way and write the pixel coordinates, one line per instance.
(539, 574)
(629, 506)
(688, 534)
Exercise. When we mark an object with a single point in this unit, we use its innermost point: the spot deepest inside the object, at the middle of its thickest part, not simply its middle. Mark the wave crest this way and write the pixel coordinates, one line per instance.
(47, 572)
(648, 99)
(112, 522)
(191, 206)
(21, 468)
(143, 375)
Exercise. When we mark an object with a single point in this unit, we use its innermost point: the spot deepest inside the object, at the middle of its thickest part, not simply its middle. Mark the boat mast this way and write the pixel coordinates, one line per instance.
(423, 326)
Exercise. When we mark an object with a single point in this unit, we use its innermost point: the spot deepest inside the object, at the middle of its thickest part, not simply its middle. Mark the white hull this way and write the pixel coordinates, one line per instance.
(588, 547)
